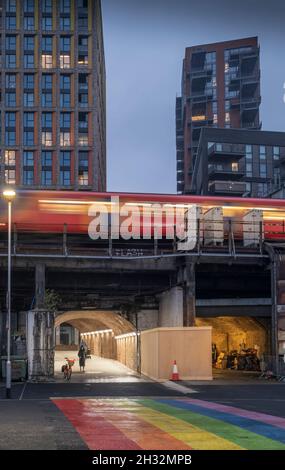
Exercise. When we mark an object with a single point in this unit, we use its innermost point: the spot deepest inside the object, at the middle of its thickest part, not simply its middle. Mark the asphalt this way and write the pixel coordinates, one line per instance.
(32, 420)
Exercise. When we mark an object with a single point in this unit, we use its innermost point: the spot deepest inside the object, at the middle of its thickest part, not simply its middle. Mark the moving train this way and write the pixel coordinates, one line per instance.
(55, 211)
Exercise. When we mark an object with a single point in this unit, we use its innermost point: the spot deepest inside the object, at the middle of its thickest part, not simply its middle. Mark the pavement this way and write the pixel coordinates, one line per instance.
(111, 407)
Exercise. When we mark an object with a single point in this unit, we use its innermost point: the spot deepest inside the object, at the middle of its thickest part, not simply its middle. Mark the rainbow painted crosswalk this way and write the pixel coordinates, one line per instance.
(171, 424)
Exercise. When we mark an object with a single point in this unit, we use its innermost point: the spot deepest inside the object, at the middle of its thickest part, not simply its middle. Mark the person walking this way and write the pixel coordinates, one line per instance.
(82, 357)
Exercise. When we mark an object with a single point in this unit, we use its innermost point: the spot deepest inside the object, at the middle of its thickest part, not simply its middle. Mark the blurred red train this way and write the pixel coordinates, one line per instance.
(56, 211)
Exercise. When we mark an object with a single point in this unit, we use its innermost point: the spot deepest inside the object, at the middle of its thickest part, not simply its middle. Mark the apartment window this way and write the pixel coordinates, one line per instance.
(29, 23)
(64, 24)
(10, 22)
(10, 43)
(47, 23)
(65, 120)
(83, 165)
(65, 139)
(64, 6)
(234, 166)
(64, 61)
(10, 98)
(276, 153)
(29, 6)
(46, 121)
(47, 139)
(46, 175)
(10, 128)
(10, 157)
(83, 139)
(262, 152)
(46, 81)
(46, 61)
(29, 81)
(65, 44)
(11, 80)
(83, 121)
(28, 168)
(28, 129)
(10, 61)
(83, 99)
(47, 99)
(10, 166)
(29, 43)
(227, 117)
(47, 6)
(227, 105)
(47, 44)
(248, 169)
(83, 59)
(219, 147)
(65, 168)
(28, 99)
(262, 170)
(248, 151)
(29, 120)
(82, 22)
(65, 85)
(29, 61)
(47, 90)
(10, 95)
(11, 6)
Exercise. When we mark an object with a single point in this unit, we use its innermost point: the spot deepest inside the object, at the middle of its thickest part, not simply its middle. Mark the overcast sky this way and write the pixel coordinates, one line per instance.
(144, 47)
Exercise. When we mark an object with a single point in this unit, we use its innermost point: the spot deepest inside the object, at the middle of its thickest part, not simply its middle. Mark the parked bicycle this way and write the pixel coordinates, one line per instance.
(67, 368)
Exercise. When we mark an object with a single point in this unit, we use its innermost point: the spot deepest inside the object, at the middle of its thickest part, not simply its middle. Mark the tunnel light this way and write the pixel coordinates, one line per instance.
(96, 332)
(126, 335)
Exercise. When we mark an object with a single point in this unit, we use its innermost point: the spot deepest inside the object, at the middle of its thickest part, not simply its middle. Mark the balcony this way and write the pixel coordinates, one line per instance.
(230, 154)
(227, 187)
(220, 173)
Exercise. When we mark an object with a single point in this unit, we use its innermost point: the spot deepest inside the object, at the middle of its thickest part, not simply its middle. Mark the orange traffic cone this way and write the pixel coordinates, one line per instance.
(175, 375)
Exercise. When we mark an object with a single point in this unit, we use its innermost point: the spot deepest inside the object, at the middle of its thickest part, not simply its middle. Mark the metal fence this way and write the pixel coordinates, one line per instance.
(272, 367)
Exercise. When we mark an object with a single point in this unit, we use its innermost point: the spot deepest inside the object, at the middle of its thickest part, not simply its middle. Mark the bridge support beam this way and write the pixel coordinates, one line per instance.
(40, 285)
(40, 344)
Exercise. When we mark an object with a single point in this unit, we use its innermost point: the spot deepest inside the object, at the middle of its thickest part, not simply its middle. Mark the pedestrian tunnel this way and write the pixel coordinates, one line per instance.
(107, 334)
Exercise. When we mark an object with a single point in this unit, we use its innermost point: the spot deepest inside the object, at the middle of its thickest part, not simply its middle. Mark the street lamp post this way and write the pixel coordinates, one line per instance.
(9, 195)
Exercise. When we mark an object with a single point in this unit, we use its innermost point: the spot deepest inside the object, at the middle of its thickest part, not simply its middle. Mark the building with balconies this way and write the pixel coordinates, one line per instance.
(220, 88)
(239, 162)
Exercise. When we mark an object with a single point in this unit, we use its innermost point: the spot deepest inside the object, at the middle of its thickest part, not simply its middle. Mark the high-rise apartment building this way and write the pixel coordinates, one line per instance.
(220, 88)
(53, 131)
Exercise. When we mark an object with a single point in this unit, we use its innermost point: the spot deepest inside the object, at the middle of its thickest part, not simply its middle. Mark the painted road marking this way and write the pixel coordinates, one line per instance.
(174, 423)
(178, 387)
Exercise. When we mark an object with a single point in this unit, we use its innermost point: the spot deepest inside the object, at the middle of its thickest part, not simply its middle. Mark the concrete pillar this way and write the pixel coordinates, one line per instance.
(40, 344)
(170, 312)
(57, 335)
(189, 299)
(40, 282)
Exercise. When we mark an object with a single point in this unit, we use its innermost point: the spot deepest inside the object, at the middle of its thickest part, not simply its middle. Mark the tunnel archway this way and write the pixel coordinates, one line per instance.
(93, 320)
(107, 334)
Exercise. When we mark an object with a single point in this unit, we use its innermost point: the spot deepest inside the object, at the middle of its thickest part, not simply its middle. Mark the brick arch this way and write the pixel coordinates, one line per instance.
(92, 320)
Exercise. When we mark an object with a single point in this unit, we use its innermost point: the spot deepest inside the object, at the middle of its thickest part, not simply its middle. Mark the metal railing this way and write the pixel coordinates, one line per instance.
(272, 367)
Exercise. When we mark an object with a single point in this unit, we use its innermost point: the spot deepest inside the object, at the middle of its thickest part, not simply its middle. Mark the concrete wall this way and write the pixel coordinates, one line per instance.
(229, 333)
(190, 347)
(102, 345)
(171, 308)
